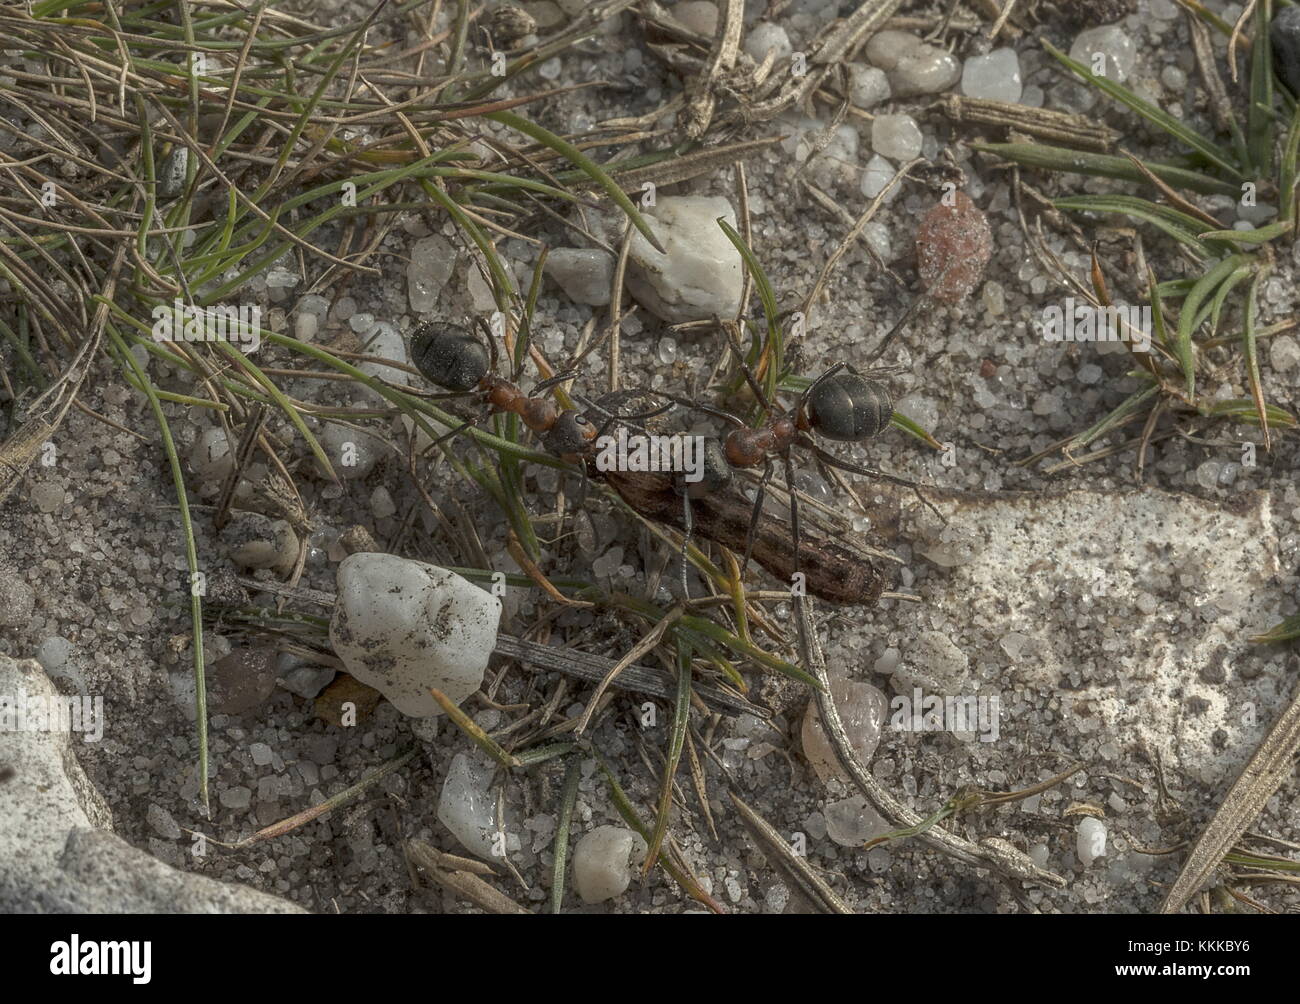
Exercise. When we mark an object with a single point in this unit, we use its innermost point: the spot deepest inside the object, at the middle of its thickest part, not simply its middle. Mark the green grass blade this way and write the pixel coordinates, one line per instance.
(126, 359)
(1104, 165)
(767, 297)
(1189, 320)
(676, 742)
(1211, 151)
(1259, 114)
(1181, 227)
(581, 161)
(560, 846)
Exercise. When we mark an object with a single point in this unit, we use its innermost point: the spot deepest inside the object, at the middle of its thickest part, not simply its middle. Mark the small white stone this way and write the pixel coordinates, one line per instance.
(701, 274)
(1284, 353)
(432, 261)
(257, 541)
(381, 503)
(467, 806)
(868, 85)
(764, 36)
(211, 457)
(403, 627)
(914, 67)
(933, 662)
(53, 654)
(1091, 842)
(862, 712)
(852, 821)
(876, 176)
(698, 15)
(305, 327)
(995, 76)
(602, 862)
(1107, 51)
(383, 341)
(585, 275)
(897, 137)
(352, 453)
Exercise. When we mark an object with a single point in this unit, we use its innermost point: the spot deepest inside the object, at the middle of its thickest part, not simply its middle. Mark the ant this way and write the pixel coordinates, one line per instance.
(454, 359)
(841, 405)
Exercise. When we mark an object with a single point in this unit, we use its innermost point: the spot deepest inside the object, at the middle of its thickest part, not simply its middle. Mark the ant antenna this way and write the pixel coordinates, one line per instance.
(739, 353)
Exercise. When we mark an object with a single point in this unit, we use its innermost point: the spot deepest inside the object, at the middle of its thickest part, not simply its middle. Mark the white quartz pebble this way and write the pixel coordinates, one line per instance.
(914, 67)
(897, 137)
(602, 862)
(764, 36)
(1091, 840)
(432, 261)
(701, 274)
(586, 275)
(467, 806)
(862, 711)
(211, 457)
(403, 626)
(868, 85)
(876, 176)
(1107, 51)
(995, 77)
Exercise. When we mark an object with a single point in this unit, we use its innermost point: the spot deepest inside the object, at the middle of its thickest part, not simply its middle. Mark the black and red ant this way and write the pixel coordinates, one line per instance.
(840, 404)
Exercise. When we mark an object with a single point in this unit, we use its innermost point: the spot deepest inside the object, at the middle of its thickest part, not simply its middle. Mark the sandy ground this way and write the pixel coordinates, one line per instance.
(1109, 616)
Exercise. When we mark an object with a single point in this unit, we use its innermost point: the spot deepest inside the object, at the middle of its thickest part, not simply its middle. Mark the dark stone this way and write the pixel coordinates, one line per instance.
(241, 682)
(1285, 35)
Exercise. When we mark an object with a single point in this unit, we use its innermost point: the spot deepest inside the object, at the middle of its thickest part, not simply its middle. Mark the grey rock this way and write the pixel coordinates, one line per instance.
(57, 851)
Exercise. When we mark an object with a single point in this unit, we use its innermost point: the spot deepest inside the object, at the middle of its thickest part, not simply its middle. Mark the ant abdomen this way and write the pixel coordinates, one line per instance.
(449, 356)
(847, 407)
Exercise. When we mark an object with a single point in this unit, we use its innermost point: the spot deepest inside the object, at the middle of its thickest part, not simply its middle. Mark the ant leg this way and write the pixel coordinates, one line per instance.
(554, 381)
(794, 508)
(688, 526)
(830, 460)
(611, 417)
(491, 343)
(755, 513)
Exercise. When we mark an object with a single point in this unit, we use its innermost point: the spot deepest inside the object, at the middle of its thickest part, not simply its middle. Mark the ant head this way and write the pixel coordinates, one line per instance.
(569, 436)
(845, 406)
(449, 355)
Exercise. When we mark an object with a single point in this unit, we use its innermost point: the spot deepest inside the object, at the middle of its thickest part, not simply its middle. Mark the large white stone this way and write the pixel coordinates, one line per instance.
(58, 853)
(701, 275)
(602, 862)
(403, 627)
